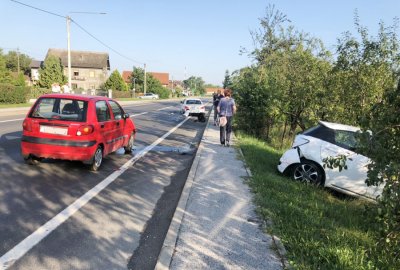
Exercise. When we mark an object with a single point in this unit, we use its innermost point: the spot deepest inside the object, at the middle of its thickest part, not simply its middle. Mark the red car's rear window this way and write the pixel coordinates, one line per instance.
(60, 109)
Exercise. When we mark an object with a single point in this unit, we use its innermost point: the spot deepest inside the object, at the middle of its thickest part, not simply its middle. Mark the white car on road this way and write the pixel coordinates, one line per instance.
(149, 96)
(193, 107)
(304, 161)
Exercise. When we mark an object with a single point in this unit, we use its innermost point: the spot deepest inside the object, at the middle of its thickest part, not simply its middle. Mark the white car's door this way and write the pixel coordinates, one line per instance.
(353, 178)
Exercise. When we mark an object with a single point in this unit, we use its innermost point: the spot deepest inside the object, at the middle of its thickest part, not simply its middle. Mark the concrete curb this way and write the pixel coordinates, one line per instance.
(167, 251)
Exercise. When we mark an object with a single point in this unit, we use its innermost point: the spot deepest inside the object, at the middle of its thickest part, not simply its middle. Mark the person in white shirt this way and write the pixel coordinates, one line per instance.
(55, 88)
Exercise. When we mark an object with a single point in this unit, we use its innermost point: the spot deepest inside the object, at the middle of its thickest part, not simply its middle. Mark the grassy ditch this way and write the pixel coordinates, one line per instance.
(319, 229)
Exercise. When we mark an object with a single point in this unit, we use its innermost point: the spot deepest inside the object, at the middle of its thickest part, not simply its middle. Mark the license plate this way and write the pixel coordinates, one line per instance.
(54, 130)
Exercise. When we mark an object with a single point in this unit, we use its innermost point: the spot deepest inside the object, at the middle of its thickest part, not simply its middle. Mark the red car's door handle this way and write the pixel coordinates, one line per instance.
(117, 124)
(102, 126)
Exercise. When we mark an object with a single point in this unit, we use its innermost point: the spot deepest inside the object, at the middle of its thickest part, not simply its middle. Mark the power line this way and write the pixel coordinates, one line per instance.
(83, 29)
(101, 42)
(49, 12)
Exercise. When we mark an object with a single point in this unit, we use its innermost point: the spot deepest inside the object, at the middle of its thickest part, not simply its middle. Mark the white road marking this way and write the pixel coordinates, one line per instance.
(12, 120)
(164, 108)
(32, 240)
(138, 114)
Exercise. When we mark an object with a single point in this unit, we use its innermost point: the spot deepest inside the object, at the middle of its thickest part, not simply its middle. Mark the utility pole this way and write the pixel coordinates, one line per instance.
(69, 53)
(69, 44)
(18, 59)
(144, 90)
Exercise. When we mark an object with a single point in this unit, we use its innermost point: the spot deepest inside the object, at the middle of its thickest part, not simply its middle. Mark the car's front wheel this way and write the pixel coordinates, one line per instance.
(309, 172)
(97, 159)
(129, 147)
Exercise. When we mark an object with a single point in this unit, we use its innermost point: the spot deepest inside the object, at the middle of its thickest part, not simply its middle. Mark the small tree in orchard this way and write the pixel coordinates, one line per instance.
(365, 67)
(383, 147)
(51, 72)
(115, 82)
(293, 68)
(255, 102)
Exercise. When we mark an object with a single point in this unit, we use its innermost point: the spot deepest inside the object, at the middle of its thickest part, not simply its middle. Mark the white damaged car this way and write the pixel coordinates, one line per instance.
(304, 161)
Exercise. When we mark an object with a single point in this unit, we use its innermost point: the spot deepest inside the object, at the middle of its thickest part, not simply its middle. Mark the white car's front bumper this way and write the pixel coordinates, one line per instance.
(290, 157)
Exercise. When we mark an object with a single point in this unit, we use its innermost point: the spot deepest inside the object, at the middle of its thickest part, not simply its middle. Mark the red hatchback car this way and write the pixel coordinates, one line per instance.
(76, 127)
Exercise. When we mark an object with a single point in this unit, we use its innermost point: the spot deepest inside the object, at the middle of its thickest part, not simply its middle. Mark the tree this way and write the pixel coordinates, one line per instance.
(195, 84)
(138, 74)
(115, 82)
(227, 83)
(5, 74)
(365, 67)
(255, 102)
(383, 148)
(16, 60)
(51, 72)
(293, 66)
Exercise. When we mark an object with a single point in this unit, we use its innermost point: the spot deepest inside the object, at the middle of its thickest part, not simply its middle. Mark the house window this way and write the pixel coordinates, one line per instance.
(92, 86)
(76, 73)
(91, 74)
(74, 86)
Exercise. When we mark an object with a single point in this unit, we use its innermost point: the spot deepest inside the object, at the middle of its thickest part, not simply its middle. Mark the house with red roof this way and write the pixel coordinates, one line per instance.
(163, 78)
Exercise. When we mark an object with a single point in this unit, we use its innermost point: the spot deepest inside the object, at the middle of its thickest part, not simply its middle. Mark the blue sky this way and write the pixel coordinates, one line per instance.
(201, 37)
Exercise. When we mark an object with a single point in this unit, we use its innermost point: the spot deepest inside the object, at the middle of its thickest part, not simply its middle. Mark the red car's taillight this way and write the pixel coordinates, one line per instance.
(85, 130)
(26, 125)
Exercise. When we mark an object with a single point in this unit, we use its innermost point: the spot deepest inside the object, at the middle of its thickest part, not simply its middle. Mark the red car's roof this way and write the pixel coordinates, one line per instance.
(75, 96)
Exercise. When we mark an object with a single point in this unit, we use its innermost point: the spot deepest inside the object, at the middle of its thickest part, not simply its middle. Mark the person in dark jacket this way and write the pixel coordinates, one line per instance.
(226, 107)
(216, 98)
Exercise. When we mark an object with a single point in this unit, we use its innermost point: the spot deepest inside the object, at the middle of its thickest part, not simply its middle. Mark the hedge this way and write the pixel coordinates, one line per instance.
(13, 94)
(121, 94)
(37, 92)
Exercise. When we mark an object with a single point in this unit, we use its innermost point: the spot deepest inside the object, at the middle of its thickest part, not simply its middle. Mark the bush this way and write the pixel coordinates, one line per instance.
(161, 91)
(13, 94)
(37, 92)
(121, 94)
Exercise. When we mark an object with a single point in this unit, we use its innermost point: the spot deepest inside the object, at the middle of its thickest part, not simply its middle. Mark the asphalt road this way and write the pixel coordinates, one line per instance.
(124, 221)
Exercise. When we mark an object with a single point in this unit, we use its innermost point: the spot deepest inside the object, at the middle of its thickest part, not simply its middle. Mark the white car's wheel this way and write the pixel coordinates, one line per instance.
(309, 172)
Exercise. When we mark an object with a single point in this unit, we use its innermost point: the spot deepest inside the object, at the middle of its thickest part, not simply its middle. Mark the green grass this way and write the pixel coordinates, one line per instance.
(319, 229)
(15, 105)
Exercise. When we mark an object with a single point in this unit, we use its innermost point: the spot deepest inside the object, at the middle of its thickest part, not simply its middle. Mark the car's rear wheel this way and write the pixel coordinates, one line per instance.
(309, 172)
(97, 159)
(32, 160)
(201, 117)
(129, 147)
